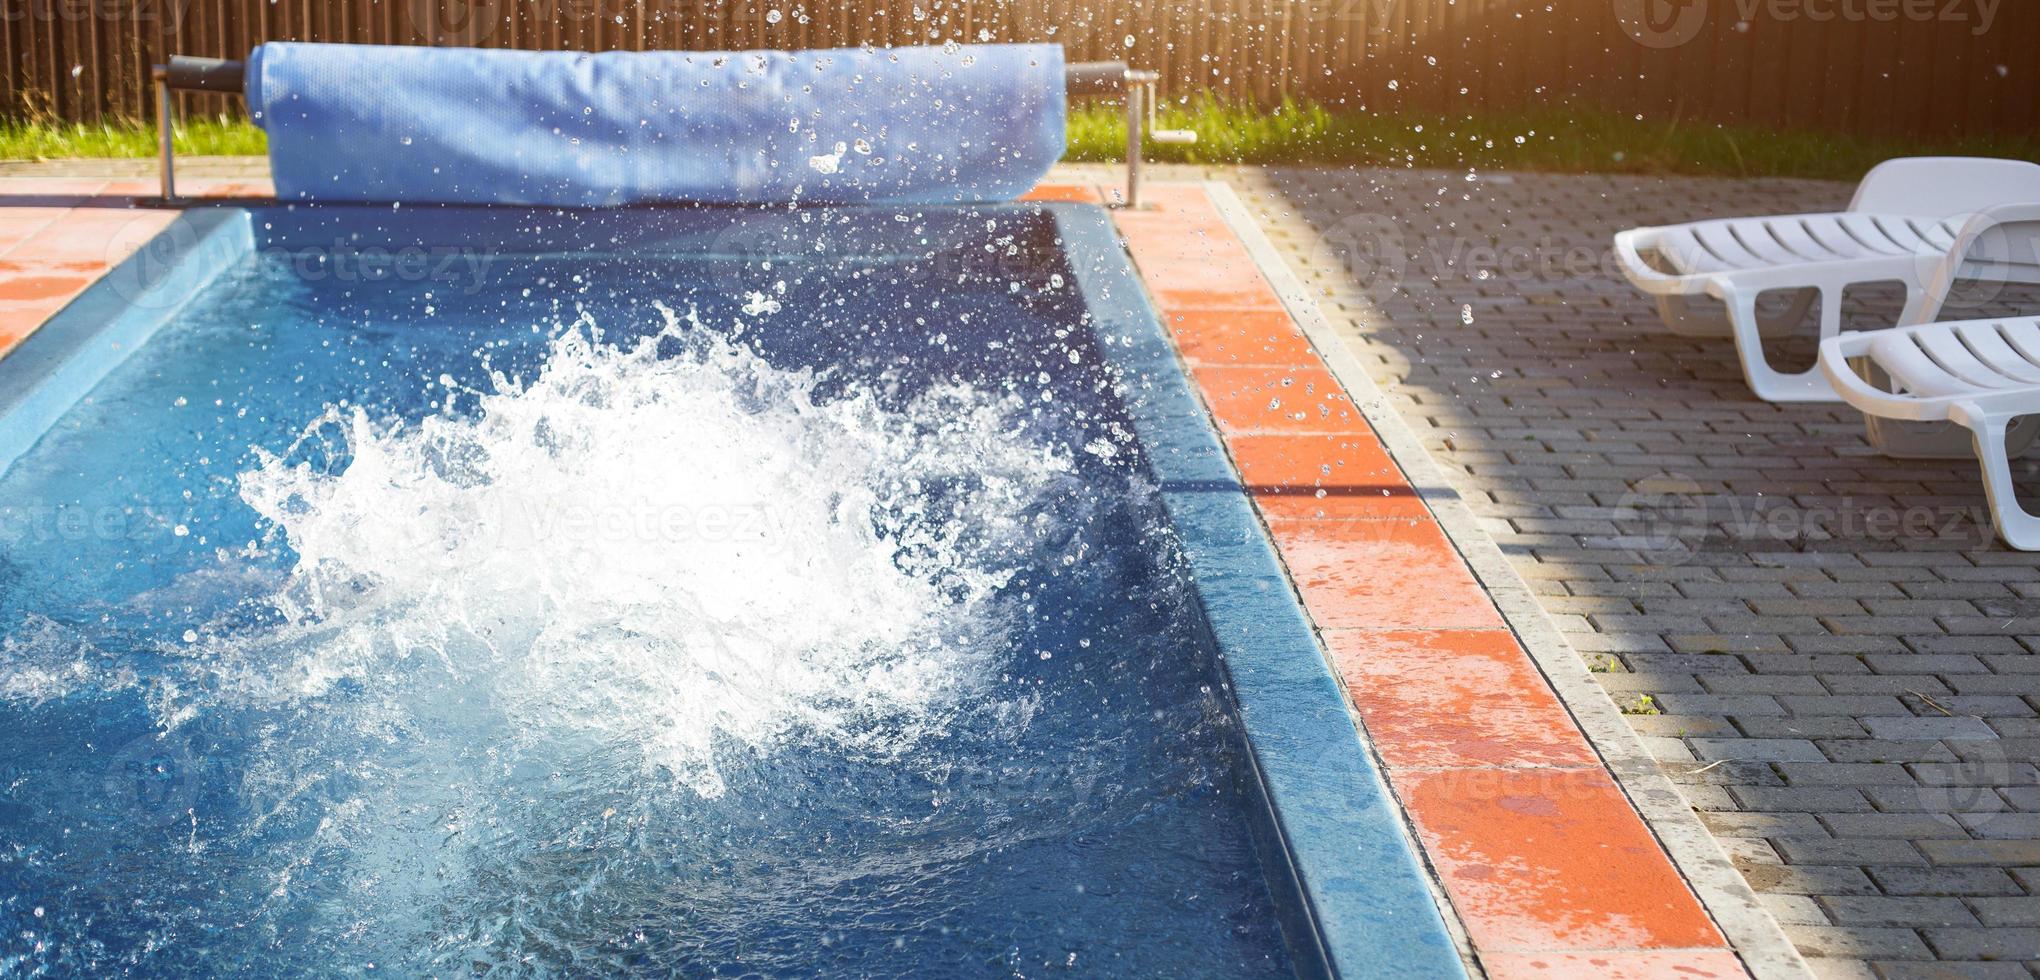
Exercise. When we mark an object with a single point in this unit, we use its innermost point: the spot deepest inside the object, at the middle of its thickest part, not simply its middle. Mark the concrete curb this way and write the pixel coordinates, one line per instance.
(1750, 928)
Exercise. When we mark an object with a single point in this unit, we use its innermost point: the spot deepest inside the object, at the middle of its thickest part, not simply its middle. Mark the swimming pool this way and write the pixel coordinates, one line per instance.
(816, 590)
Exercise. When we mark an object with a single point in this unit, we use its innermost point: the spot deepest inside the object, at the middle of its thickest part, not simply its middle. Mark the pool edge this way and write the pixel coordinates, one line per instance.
(50, 369)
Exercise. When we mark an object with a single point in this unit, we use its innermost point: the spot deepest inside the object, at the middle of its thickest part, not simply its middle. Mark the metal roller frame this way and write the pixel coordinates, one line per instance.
(1090, 78)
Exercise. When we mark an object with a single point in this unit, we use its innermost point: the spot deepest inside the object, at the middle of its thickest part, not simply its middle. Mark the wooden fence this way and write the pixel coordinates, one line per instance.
(1915, 67)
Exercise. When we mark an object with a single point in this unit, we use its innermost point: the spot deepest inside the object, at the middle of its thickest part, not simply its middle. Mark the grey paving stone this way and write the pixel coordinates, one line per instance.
(1810, 799)
(1869, 853)
(1858, 942)
(2002, 826)
(1794, 910)
(1893, 684)
(1757, 749)
(1936, 799)
(1879, 750)
(2022, 911)
(1753, 824)
(1943, 881)
(1809, 879)
(1994, 853)
(1844, 774)
(1985, 944)
(1883, 910)
(1995, 772)
(1951, 970)
(1805, 726)
(1904, 826)
(1928, 728)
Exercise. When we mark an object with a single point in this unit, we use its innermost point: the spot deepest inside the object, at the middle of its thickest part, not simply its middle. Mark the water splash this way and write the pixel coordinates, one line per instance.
(646, 548)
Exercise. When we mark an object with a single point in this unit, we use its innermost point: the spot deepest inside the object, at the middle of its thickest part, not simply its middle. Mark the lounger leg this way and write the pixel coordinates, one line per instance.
(1783, 324)
(2021, 530)
(1769, 384)
(1915, 311)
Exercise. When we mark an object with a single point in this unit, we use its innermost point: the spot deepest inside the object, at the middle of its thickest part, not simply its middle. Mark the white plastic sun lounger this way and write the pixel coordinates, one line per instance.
(1980, 374)
(1905, 216)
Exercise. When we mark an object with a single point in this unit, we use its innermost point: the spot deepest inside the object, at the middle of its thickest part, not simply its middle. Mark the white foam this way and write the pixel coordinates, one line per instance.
(658, 551)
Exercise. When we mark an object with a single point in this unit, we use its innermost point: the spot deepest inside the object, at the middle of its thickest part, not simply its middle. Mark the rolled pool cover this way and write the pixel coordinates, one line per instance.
(357, 122)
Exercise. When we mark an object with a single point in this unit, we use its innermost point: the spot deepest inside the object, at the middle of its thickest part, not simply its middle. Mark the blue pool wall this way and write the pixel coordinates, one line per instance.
(1353, 898)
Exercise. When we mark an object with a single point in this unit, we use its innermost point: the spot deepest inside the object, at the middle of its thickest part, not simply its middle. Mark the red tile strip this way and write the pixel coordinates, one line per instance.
(1550, 869)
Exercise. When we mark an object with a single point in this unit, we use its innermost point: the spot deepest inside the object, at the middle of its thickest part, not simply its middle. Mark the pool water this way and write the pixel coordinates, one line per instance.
(566, 593)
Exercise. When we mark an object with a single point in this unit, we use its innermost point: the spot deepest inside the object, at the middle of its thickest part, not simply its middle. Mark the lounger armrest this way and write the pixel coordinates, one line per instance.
(2001, 238)
(1941, 187)
(1640, 273)
(1835, 354)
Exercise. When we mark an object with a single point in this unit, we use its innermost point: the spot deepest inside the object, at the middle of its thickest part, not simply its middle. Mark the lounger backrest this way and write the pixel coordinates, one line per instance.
(1998, 245)
(1941, 187)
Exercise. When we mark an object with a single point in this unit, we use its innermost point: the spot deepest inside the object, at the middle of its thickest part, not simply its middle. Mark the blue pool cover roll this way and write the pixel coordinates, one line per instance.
(959, 123)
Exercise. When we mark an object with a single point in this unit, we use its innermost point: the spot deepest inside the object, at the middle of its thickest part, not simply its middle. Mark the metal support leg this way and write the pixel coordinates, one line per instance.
(165, 133)
(1136, 117)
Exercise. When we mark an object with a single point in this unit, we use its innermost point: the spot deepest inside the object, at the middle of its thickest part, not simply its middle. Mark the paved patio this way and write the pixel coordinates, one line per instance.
(1824, 646)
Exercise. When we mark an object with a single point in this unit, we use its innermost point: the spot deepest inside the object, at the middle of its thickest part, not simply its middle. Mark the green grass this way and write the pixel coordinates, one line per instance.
(56, 141)
(1558, 140)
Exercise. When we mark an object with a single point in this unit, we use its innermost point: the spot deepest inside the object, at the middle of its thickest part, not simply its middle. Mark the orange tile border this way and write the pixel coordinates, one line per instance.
(1541, 856)
(1293, 400)
(1538, 859)
(1456, 699)
(1323, 477)
(1684, 964)
(1386, 574)
(1252, 337)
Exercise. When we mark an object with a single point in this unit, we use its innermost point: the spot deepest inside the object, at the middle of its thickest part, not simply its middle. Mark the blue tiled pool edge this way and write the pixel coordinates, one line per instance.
(1332, 826)
(1355, 900)
(78, 347)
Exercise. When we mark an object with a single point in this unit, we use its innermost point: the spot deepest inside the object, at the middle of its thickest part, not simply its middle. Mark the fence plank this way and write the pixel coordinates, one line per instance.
(1895, 75)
